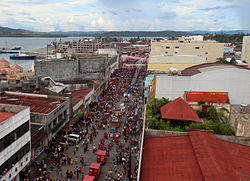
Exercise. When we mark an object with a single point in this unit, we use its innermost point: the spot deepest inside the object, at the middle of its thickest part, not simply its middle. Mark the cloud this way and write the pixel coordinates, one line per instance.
(149, 15)
(217, 8)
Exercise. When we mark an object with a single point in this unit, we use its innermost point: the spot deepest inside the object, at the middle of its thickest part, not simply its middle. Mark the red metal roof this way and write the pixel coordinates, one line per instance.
(218, 97)
(178, 109)
(95, 165)
(79, 94)
(37, 104)
(194, 157)
(5, 115)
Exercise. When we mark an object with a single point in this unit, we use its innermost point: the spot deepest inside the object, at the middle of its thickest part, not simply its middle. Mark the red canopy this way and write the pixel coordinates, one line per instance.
(178, 109)
(101, 152)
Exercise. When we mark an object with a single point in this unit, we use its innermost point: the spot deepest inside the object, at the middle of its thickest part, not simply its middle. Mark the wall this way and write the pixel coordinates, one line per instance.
(231, 80)
(57, 70)
(92, 67)
(246, 49)
(240, 121)
(210, 49)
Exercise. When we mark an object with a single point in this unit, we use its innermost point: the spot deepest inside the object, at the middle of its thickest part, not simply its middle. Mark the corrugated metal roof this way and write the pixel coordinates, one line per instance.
(178, 109)
(37, 104)
(194, 157)
(196, 96)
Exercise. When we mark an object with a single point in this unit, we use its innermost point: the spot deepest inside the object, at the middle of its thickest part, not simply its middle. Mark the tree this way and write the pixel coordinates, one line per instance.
(233, 61)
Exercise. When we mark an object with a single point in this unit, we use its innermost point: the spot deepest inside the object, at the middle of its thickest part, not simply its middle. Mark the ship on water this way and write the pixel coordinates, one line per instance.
(10, 50)
(22, 56)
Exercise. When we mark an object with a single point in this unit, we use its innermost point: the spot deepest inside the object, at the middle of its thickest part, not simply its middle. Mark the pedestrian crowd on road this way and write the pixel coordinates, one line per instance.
(125, 87)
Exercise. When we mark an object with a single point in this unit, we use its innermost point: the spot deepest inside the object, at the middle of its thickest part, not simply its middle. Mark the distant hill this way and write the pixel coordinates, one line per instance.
(9, 32)
(221, 32)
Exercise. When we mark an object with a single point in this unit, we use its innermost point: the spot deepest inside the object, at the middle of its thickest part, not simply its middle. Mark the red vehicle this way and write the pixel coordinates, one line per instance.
(88, 178)
(101, 156)
(95, 169)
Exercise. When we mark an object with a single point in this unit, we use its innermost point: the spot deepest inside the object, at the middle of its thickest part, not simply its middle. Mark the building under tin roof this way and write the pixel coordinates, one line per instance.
(197, 156)
(38, 103)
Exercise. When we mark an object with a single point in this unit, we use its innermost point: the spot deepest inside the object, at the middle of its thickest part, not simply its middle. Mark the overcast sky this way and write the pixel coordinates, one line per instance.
(121, 15)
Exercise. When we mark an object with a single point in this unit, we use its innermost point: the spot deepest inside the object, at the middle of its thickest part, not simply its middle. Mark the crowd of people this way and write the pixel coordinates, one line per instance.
(124, 97)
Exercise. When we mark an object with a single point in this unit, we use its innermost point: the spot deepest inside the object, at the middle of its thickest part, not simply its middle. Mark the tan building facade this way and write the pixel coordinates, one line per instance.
(246, 49)
(209, 49)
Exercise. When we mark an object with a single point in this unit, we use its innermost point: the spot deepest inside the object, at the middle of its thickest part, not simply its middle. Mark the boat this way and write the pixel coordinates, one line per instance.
(10, 50)
(22, 56)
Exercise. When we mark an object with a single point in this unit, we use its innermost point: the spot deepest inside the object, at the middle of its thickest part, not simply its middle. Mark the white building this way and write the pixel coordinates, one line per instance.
(246, 49)
(210, 77)
(15, 140)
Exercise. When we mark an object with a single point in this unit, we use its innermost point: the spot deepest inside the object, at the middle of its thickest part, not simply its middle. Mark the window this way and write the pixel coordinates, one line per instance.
(197, 48)
(177, 47)
(206, 53)
(166, 52)
(167, 47)
(175, 52)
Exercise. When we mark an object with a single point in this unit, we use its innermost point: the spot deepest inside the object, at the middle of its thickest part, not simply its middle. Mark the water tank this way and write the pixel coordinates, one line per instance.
(243, 108)
(173, 71)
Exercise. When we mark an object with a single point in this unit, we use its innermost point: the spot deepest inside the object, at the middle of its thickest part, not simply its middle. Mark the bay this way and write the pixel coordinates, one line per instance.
(29, 44)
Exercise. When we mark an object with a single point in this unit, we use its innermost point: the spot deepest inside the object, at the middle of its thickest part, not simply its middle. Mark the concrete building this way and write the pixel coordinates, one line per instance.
(89, 46)
(86, 66)
(209, 77)
(15, 140)
(240, 119)
(246, 49)
(51, 111)
(209, 49)
(165, 62)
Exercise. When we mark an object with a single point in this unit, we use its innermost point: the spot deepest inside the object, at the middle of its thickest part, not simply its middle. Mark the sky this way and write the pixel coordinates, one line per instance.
(125, 15)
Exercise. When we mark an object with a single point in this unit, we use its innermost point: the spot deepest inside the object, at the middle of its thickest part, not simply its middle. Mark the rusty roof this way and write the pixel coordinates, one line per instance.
(197, 156)
(37, 104)
(77, 95)
(195, 69)
(5, 115)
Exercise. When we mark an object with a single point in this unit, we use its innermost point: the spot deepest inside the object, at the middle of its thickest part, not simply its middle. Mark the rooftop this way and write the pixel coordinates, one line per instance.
(196, 96)
(193, 157)
(77, 95)
(178, 109)
(5, 115)
(38, 103)
(190, 71)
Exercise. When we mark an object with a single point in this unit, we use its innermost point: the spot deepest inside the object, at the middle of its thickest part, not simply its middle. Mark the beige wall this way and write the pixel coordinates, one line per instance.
(246, 49)
(210, 49)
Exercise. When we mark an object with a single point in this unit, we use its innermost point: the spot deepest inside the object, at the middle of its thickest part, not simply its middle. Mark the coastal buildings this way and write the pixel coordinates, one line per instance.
(246, 49)
(5, 67)
(89, 46)
(188, 46)
(15, 140)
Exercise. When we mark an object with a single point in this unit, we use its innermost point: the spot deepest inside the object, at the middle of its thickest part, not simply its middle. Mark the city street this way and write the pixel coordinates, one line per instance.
(126, 88)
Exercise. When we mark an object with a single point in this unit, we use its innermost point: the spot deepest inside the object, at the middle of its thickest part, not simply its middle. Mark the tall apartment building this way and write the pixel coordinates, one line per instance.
(15, 140)
(187, 46)
(246, 49)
